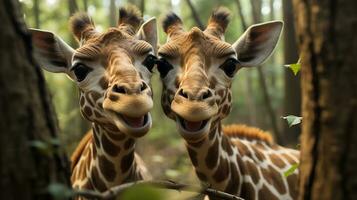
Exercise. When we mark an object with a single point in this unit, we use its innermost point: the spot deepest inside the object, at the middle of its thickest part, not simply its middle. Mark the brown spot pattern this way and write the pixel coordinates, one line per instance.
(109, 147)
(95, 96)
(201, 176)
(96, 181)
(274, 178)
(248, 191)
(233, 184)
(193, 155)
(116, 136)
(226, 145)
(212, 133)
(258, 153)
(103, 82)
(277, 161)
(252, 171)
(293, 185)
(288, 158)
(265, 194)
(127, 161)
(222, 171)
(87, 111)
(129, 143)
(243, 149)
(212, 155)
(107, 168)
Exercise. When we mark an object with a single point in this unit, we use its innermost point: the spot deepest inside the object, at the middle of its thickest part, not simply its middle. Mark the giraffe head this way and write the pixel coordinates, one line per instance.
(112, 69)
(197, 69)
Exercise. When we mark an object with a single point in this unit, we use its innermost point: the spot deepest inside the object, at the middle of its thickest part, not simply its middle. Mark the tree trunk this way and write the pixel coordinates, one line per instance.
(27, 116)
(328, 46)
(292, 93)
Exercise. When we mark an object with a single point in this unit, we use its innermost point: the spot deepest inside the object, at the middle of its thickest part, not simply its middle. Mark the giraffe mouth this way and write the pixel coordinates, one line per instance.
(135, 122)
(192, 130)
(135, 126)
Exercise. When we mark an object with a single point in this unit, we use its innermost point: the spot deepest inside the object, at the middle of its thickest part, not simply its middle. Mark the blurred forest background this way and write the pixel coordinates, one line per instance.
(261, 96)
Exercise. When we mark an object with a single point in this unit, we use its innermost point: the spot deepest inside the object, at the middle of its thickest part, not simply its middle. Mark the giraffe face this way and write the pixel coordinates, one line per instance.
(197, 69)
(112, 70)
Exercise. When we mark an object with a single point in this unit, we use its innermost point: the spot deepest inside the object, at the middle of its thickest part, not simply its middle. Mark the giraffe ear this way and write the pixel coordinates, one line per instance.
(52, 53)
(148, 32)
(257, 43)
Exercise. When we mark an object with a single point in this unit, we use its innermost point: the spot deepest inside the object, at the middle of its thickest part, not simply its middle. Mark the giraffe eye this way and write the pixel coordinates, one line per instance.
(81, 71)
(163, 67)
(149, 62)
(229, 67)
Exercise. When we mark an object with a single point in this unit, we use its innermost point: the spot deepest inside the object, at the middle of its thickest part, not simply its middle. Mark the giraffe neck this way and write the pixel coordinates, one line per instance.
(250, 169)
(215, 161)
(115, 158)
(108, 160)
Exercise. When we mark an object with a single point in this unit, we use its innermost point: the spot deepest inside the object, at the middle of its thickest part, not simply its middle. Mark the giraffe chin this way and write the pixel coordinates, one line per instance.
(193, 131)
(136, 127)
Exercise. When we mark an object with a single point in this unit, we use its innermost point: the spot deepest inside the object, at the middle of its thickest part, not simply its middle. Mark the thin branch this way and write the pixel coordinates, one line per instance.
(195, 15)
(114, 191)
(240, 13)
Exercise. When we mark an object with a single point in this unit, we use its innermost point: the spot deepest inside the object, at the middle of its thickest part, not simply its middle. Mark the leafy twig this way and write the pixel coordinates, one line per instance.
(114, 191)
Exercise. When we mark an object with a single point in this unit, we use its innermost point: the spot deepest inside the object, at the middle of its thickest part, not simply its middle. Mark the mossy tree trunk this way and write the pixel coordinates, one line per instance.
(328, 46)
(27, 116)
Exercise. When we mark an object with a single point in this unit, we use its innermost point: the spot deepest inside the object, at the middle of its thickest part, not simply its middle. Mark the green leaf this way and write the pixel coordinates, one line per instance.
(295, 67)
(143, 192)
(291, 170)
(292, 120)
(59, 191)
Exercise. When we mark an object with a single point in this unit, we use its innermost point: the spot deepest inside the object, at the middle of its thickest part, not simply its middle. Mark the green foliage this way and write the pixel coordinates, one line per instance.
(292, 120)
(291, 170)
(295, 67)
(59, 191)
(143, 192)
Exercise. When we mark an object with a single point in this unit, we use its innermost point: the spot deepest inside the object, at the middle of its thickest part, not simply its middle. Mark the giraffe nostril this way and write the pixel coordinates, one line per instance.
(207, 94)
(143, 86)
(118, 89)
(183, 93)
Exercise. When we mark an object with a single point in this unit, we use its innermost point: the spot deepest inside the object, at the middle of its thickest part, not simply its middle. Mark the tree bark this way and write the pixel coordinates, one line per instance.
(27, 116)
(292, 91)
(328, 46)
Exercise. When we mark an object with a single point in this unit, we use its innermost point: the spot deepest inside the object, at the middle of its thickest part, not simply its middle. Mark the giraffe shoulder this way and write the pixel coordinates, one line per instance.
(247, 132)
(77, 153)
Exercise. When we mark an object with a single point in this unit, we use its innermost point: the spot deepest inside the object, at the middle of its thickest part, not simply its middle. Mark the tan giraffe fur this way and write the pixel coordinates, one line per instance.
(197, 68)
(112, 70)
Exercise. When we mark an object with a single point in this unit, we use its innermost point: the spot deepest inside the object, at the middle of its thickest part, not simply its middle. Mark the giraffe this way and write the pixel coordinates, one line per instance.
(112, 70)
(197, 69)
